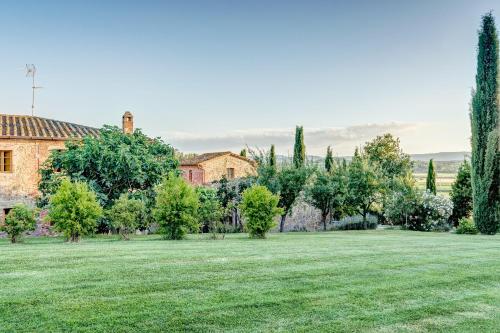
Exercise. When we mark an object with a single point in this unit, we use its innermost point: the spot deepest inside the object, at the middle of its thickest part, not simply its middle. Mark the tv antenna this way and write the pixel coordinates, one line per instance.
(31, 72)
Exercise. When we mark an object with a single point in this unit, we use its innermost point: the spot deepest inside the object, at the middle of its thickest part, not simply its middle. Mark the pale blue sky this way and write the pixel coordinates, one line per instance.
(214, 75)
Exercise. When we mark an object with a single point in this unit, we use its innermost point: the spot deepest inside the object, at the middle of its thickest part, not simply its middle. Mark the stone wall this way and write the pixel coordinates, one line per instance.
(196, 172)
(21, 185)
(217, 167)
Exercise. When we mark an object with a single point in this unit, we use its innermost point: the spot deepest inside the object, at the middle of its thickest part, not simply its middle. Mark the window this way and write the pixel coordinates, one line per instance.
(5, 160)
(230, 173)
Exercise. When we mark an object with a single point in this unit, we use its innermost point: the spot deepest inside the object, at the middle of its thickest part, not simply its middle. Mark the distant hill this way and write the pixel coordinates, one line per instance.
(444, 156)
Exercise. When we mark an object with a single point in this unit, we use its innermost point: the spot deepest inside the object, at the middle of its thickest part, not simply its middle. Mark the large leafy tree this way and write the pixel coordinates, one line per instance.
(485, 132)
(461, 193)
(299, 149)
(430, 184)
(111, 164)
(364, 184)
(385, 152)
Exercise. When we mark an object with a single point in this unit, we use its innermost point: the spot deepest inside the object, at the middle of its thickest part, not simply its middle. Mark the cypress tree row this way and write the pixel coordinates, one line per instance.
(431, 178)
(485, 174)
(272, 157)
(299, 149)
(329, 159)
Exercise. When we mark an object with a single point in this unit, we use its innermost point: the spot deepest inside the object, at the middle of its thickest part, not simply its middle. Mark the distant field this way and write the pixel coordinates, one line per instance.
(443, 181)
(352, 281)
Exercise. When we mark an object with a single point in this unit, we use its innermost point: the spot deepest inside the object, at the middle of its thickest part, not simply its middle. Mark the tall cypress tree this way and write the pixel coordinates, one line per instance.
(329, 159)
(484, 124)
(243, 152)
(272, 158)
(431, 178)
(461, 193)
(299, 149)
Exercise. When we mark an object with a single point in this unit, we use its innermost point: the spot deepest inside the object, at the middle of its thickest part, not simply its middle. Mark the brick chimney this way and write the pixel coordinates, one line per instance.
(128, 123)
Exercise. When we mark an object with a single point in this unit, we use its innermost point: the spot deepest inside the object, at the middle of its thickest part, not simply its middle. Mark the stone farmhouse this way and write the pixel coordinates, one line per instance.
(25, 143)
(209, 167)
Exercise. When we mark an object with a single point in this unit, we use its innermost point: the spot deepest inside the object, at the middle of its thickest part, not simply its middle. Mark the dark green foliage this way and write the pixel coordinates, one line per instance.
(461, 194)
(111, 164)
(484, 124)
(243, 152)
(259, 207)
(176, 208)
(328, 193)
(364, 184)
(299, 149)
(210, 211)
(404, 203)
(291, 181)
(356, 223)
(229, 194)
(272, 158)
(126, 214)
(466, 226)
(329, 159)
(74, 210)
(20, 219)
(430, 184)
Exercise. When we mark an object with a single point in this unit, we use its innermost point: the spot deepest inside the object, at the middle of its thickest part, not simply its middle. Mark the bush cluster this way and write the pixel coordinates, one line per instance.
(356, 223)
(20, 219)
(466, 226)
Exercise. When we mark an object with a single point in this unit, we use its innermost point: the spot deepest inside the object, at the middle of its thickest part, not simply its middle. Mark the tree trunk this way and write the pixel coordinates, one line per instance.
(323, 220)
(365, 226)
(13, 239)
(282, 222)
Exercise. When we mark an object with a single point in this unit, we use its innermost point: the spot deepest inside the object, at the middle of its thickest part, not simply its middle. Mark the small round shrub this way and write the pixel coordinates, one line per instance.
(466, 226)
(176, 209)
(21, 218)
(74, 210)
(125, 215)
(259, 207)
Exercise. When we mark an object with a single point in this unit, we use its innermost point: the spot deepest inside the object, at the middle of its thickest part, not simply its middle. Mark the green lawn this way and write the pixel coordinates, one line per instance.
(358, 281)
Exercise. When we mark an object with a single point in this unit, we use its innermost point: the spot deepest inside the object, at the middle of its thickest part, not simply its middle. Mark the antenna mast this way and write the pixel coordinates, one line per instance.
(31, 72)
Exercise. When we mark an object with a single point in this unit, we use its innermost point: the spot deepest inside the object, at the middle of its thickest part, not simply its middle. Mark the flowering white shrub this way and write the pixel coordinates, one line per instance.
(437, 210)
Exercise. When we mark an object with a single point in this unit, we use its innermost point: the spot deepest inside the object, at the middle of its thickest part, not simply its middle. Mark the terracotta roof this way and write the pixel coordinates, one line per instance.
(28, 127)
(208, 156)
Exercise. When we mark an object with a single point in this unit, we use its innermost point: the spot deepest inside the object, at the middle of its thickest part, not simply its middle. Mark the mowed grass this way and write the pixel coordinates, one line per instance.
(353, 281)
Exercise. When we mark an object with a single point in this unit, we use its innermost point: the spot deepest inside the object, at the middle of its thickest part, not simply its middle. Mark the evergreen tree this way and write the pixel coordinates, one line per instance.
(243, 152)
(484, 124)
(329, 159)
(299, 149)
(431, 178)
(461, 194)
(272, 158)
